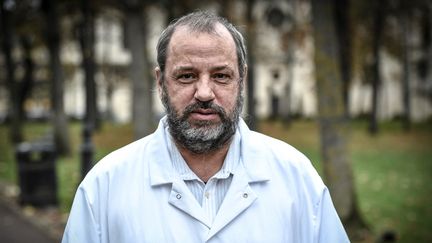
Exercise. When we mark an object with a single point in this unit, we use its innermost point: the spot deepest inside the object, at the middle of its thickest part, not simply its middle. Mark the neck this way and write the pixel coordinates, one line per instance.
(205, 165)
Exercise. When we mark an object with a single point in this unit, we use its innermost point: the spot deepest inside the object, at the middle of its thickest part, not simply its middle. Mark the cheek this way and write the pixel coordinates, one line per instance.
(180, 96)
(228, 98)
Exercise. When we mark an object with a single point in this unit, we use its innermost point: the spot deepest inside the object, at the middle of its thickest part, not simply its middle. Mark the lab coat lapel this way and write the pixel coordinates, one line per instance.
(239, 197)
(182, 198)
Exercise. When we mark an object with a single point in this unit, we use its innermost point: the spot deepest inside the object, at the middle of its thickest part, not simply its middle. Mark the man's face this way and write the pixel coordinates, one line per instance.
(200, 88)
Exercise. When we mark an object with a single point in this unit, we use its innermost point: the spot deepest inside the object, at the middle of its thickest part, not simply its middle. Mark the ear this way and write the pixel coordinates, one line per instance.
(158, 74)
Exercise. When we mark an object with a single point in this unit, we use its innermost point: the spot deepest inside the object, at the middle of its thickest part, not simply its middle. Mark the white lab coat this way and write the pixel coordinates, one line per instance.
(134, 195)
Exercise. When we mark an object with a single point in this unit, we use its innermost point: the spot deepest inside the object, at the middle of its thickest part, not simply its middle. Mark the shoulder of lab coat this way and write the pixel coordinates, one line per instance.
(267, 157)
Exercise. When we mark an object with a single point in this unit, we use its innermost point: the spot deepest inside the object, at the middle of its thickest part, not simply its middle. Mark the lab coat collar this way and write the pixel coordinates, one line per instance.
(161, 170)
(254, 162)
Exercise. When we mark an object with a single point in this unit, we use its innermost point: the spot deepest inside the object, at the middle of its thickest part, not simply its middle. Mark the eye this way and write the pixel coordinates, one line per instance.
(186, 77)
(221, 77)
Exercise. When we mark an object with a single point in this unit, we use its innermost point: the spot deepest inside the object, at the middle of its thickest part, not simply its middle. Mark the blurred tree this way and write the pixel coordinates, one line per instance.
(87, 41)
(136, 40)
(410, 15)
(332, 118)
(7, 26)
(424, 66)
(250, 83)
(343, 30)
(27, 82)
(388, 26)
(428, 47)
(392, 27)
(291, 31)
(377, 34)
(404, 18)
(61, 130)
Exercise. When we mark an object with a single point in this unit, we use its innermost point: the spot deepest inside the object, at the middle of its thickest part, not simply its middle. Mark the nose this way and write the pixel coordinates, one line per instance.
(204, 90)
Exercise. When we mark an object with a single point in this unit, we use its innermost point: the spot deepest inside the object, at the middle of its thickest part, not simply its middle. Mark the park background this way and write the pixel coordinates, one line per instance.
(347, 82)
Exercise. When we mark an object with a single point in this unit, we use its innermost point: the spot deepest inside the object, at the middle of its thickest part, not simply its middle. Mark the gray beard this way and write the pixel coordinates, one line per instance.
(202, 136)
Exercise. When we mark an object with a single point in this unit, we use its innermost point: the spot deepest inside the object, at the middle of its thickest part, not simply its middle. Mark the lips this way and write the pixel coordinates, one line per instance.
(204, 114)
(205, 111)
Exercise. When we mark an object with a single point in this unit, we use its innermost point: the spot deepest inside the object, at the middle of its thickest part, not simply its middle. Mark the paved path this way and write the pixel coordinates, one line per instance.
(15, 229)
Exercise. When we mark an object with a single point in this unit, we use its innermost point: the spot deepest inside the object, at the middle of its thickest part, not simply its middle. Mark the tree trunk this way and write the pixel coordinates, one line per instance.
(343, 30)
(376, 69)
(15, 131)
(61, 130)
(250, 82)
(142, 113)
(287, 102)
(429, 51)
(332, 120)
(87, 40)
(109, 97)
(28, 80)
(406, 97)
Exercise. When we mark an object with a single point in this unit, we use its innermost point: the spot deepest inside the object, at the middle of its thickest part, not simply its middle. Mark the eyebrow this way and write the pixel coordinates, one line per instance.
(190, 68)
(223, 67)
(183, 68)
(220, 67)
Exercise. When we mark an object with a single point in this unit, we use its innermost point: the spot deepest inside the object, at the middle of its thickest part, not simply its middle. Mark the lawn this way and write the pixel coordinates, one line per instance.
(393, 170)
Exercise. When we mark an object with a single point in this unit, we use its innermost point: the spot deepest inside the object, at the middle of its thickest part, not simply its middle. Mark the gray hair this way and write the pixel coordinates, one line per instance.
(202, 22)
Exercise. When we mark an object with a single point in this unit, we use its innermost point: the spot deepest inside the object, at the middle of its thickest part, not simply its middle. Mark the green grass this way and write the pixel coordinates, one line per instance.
(7, 167)
(393, 170)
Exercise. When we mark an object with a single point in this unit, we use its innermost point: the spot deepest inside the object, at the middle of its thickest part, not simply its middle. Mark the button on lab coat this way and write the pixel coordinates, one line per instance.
(134, 195)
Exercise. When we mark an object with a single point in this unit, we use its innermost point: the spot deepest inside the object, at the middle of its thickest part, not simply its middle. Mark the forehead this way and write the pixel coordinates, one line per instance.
(184, 39)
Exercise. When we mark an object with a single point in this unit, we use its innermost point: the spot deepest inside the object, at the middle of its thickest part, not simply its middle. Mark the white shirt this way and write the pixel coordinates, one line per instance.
(135, 195)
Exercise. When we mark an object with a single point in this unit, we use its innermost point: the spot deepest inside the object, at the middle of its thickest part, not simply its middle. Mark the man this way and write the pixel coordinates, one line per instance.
(203, 176)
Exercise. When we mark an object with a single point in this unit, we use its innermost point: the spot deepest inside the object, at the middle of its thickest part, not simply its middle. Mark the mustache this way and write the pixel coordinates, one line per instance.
(204, 105)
